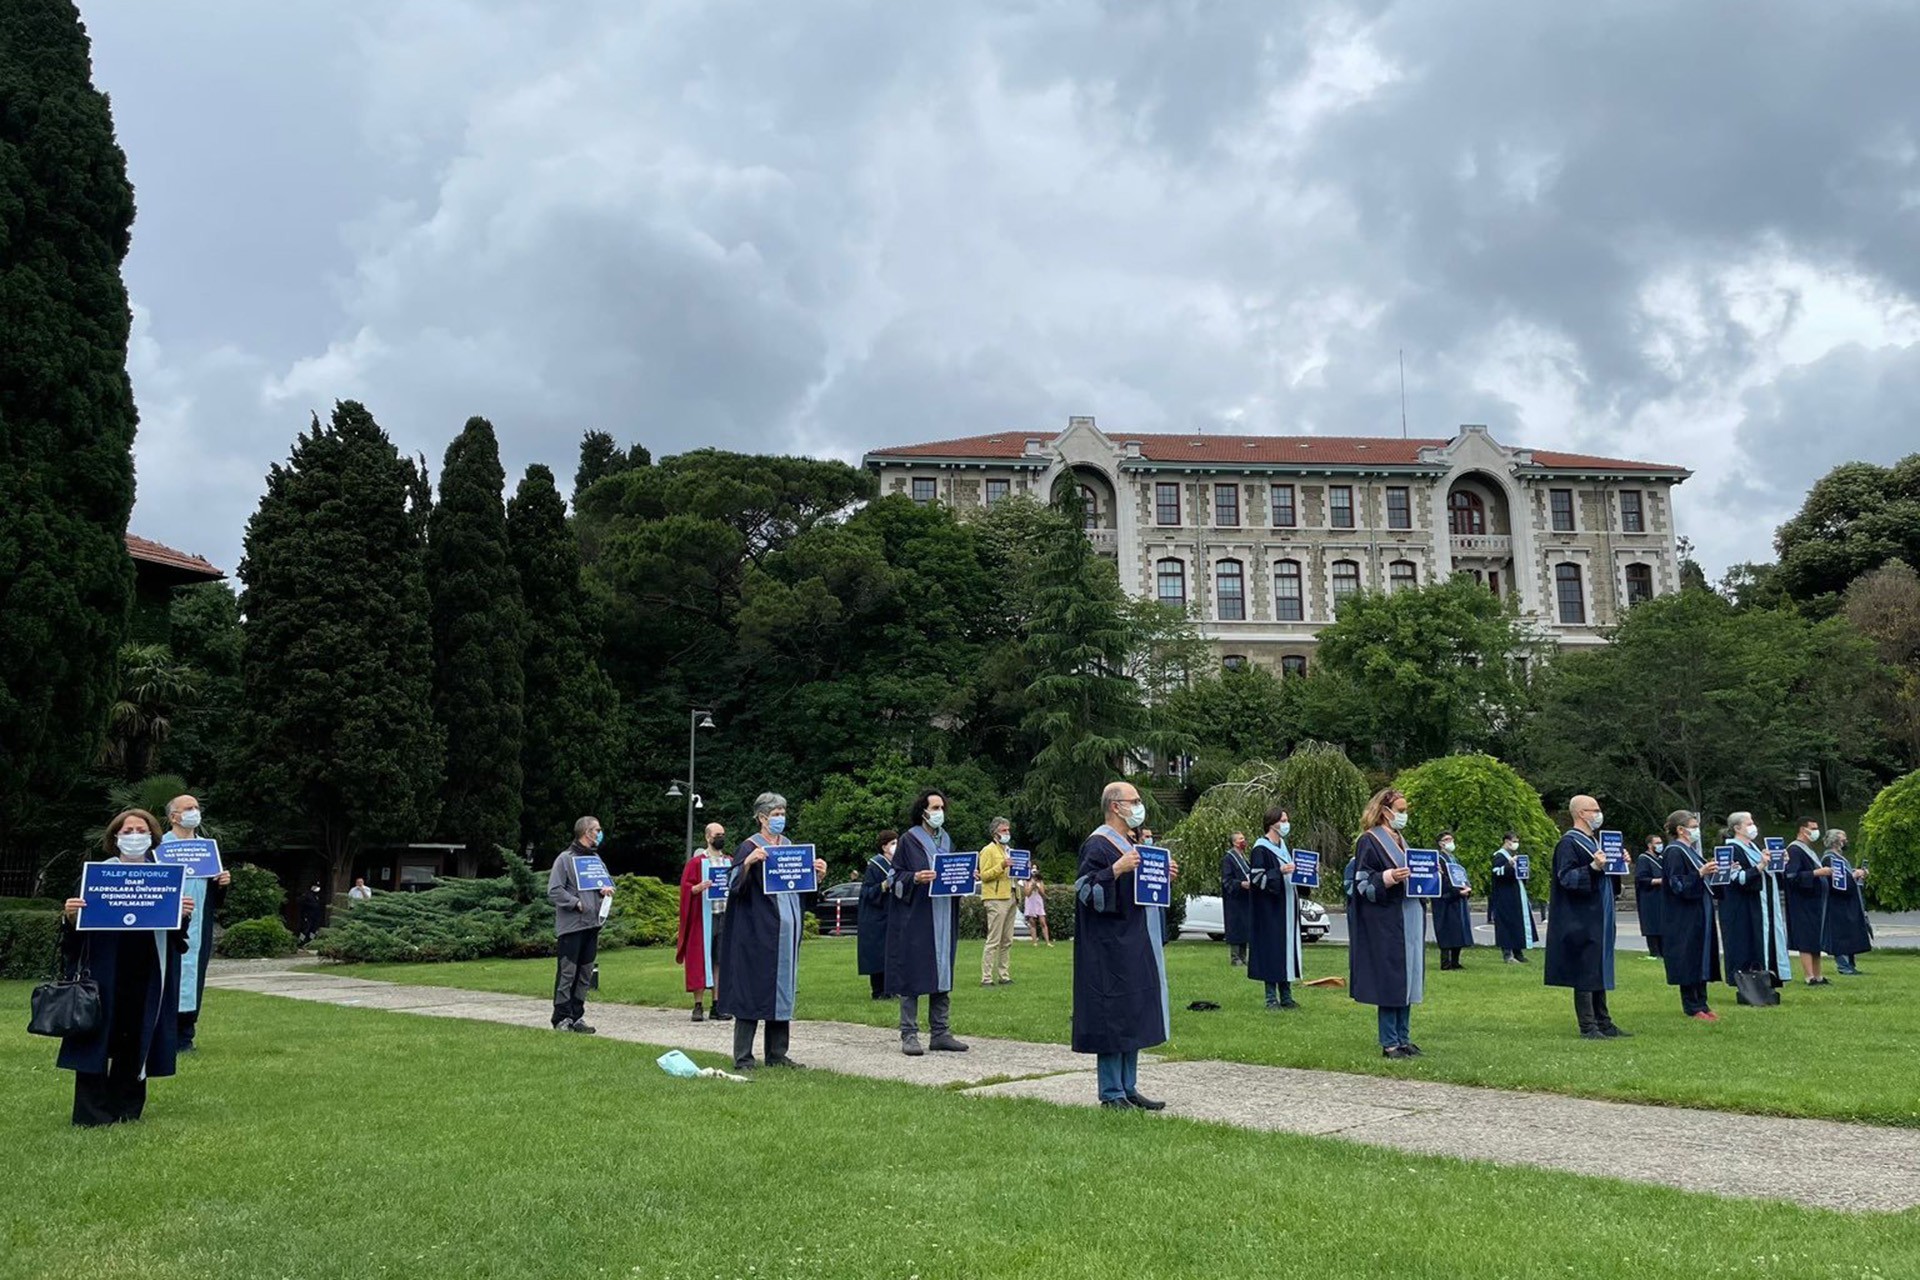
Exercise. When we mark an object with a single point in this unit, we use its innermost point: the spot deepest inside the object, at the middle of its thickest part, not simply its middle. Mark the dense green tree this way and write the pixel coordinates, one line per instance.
(600, 457)
(1889, 840)
(479, 637)
(155, 688)
(1323, 792)
(852, 808)
(1753, 585)
(1243, 713)
(1692, 576)
(66, 413)
(1884, 606)
(338, 731)
(570, 754)
(1855, 518)
(1436, 666)
(1479, 799)
(204, 621)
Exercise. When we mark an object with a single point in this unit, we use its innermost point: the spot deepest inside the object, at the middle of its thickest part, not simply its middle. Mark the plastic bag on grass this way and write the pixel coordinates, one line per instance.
(676, 1063)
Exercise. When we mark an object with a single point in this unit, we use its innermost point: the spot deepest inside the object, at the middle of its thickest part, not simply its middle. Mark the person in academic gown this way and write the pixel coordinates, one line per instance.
(1387, 930)
(702, 922)
(1649, 873)
(1509, 910)
(876, 892)
(759, 973)
(1452, 914)
(1804, 882)
(1273, 913)
(1236, 894)
(1120, 1001)
(183, 823)
(1849, 933)
(923, 932)
(1690, 936)
(1580, 921)
(138, 973)
(1753, 932)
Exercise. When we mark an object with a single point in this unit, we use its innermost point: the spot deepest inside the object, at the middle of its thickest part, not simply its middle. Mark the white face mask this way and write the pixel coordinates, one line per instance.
(889, 850)
(1399, 820)
(1596, 820)
(1752, 832)
(1137, 814)
(1813, 835)
(1285, 827)
(190, 819)
(1005, 838)
(133, 845)
(936, 818)
(1511, 846)
(1446, 846)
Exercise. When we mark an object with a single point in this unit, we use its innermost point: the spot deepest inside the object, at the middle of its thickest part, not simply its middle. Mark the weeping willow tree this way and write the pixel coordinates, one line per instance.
(1323, 792)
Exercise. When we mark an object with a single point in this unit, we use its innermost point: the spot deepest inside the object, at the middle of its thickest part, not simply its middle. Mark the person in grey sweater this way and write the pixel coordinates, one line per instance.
(576, 928)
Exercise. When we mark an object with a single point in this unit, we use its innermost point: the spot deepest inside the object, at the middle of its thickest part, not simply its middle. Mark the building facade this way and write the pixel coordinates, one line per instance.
(1262, 536)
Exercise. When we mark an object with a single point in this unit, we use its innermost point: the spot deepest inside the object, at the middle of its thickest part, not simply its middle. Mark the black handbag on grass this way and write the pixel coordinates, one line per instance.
(1755, 987)
(67, 1006)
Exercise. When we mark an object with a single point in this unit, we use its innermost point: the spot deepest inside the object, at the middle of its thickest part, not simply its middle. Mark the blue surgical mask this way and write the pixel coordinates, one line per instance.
(1137, 814)
(777, 823)
(1285, 828)
(1399, 820)
(598, 836)
(190, 818)
(936, 818)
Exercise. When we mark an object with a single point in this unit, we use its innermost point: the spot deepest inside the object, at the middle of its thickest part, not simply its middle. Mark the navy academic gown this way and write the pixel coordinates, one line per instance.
(876, 894)
(1508, 909)
(1452, 914)
(759, 976)
(1387, 930)
(923, 932)
(1848, 933)
(1690, 943)
(1273, 934)
(1580, 917)
(1120, 1002)
(1752, 935)
(138, 973)
(1650, 899)
(1234, 901)
(1807, 899)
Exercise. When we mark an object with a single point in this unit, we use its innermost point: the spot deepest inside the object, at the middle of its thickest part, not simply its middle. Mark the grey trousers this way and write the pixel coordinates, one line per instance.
(938, 1005)
(776, 1041)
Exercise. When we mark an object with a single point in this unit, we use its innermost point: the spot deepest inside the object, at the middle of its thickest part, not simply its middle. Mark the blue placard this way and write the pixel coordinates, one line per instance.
(1425, 865)
(789, 869)
(1020, 864)
(1457, 875)
(719, 872)
(1306, 869)
(200, 856)
(131, 895)
(1614, 845)
(590, 873)
(1153, 878)
(954, 874)
(1522, 866)
(1842, 873)
(1722, 864)
(1776, 854)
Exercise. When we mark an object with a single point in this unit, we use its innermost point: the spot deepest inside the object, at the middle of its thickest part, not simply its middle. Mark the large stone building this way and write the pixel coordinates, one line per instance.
(1263, 535)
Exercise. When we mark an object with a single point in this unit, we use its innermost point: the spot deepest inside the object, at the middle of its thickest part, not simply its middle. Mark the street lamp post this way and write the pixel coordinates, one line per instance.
(697, 719)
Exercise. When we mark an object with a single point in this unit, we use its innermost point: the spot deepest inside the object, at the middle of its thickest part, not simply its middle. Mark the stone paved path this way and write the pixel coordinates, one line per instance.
(1812, 1162)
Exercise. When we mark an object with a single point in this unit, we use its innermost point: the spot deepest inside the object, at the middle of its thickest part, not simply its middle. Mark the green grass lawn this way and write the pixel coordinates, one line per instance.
(315, 1142)
(1844, 1051)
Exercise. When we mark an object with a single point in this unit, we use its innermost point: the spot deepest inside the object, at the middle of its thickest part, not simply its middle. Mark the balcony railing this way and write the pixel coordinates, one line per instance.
(1481, 544)
(1105, 541)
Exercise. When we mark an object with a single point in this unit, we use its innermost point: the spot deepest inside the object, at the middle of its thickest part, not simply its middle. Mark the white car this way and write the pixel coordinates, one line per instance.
(1206, 914)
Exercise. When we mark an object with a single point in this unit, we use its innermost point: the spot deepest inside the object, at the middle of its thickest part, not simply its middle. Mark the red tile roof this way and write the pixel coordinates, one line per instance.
(154, 553)
(1337, 451)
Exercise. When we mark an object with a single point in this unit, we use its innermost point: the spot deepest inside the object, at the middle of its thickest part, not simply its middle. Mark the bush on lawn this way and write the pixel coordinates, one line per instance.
(1479, 799)
(29, 934)
(646, 913)
(254, 894)
(1059, 898)
(1889, 841)
(809, 926)
(256, 940)
(505, 915)
(1324, 793)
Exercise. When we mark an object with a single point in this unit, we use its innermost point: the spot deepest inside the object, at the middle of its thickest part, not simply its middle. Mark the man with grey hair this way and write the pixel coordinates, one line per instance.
(760, 973)
(577, 917)
(183, 823)
(996, 894)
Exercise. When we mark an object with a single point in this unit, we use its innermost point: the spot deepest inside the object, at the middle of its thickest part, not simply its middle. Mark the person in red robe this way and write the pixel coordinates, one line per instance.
(702, 919)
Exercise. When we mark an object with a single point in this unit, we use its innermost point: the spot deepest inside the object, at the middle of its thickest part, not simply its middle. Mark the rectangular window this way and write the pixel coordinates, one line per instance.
(998, 491)
(1399, 507)
(1232, 587)
(1561, 501)
(1292, 664)
(1226, 506)
(1284, 516)
(924, 491)
(1632, 518)
(1340, 506)
(1573, 602)
(1346, 578)
(1401, 576)
(1639, 583)
(1289, 604)
(1166, 504)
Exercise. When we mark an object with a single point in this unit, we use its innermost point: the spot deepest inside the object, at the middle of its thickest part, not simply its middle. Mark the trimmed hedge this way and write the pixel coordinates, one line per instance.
(646, 913)
(256, 940)
(1889, 843)
(30, 904)
(1059, 899)
(28, 939)
(254, 895)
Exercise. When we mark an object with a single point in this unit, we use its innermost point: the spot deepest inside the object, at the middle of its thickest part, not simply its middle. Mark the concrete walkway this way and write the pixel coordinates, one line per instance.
(1818, 1163)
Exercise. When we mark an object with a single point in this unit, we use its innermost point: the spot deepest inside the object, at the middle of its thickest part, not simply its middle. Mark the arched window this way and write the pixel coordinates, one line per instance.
(1089, 506)
(1230, 584)
(1573, 601)
(1289, 601)
(1401, 575)
(1466, 514)
(1234, 662)
(1293, 664)
(1346, 579)
(1172, 578)
(1639, 583)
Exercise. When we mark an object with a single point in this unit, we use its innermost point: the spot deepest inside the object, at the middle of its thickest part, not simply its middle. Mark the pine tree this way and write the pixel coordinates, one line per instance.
(66, 410)
(600, 457)
(479, 632)
(339, 734)
(570, 755)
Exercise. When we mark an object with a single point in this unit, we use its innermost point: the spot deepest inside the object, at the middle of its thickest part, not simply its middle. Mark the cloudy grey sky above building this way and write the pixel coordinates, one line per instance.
(1677, 232)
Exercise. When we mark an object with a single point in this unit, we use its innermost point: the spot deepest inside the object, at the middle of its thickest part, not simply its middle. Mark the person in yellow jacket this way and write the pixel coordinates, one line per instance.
(996, 892)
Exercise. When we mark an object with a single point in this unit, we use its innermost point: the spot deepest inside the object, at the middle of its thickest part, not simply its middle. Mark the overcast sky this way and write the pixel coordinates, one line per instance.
(1677, 232)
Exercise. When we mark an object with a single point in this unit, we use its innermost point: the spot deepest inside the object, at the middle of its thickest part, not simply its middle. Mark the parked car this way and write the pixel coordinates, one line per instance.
(1206, 914)
(837, 909)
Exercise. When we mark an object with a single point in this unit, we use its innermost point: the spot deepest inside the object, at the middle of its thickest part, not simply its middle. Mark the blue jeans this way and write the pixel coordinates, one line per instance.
(1395, 1025)
(1278, 991)
(1119, 1075)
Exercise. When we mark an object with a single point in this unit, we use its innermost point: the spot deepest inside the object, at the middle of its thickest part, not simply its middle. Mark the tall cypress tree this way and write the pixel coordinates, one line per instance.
(66, 408)
(479, 632)
(337, 672)
(571, 752)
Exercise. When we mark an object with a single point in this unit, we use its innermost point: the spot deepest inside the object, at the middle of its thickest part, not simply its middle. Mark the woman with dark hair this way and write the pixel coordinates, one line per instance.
(138, 973)
(1387, 950)
(876, 892)
(1689, 932)
(1452, 914)
(1273, 913)
(923, 932)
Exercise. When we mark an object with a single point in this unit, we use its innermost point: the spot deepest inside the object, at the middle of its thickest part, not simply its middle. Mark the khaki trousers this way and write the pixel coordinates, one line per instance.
(993, 961)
